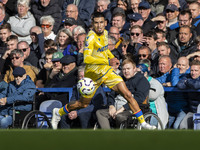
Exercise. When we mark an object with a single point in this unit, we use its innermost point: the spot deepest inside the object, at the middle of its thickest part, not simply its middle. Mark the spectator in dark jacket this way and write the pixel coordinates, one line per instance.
(65, 78)
(30, 58)
(118, 107)
(21, 89)
(145, 11)
(85, 9)
(185, 44)
(45, 8)
(37, 44)
(5, 31)
(191, 81)
(72, 12)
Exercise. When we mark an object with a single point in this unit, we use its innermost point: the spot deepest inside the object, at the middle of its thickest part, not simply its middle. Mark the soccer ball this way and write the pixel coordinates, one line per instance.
(85, 86)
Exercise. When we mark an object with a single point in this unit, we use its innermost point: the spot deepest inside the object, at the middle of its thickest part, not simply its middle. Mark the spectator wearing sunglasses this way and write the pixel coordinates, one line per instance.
(17, 60)
(136, 39)
(23, 21)
(30, 57)
(47, 24)
(42, 8)
(144, 53)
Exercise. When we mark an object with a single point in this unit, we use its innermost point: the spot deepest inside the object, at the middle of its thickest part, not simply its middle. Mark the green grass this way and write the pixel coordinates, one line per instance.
(99, 140)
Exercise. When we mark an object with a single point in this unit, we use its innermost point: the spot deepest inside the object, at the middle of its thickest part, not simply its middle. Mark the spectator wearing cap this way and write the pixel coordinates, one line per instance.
(145, 11)
(66, 77)
(17, 60)
(172, 13)
(21, 89)
(135, 19)
(57, 66)
(70, 23)
(72, 12)
(44, 8)
(181, 4)
(47, 23)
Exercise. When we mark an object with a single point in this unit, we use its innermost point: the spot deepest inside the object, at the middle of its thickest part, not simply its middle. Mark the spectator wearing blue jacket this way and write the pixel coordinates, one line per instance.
(83, 117)
(21, 89)
(177, 102)
(192, 82)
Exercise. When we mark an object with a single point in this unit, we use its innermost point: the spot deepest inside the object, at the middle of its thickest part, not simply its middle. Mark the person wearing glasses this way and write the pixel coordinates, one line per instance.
(22, 22)
(72, 12)
(45, 8)
(136, 39)
(17, 60)
(21, 88)
(172, 13)
(30, 57)
(47, 24)
(184, 18)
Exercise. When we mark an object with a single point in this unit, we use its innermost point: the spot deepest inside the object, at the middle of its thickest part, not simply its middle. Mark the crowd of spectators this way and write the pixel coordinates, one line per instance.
(158, 39)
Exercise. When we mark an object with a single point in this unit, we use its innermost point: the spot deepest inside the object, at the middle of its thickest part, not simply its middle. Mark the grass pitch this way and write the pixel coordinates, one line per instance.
(77, 139)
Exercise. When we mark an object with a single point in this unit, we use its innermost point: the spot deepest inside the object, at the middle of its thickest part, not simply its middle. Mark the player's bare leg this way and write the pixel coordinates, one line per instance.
(123, 90)
(73, 105)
